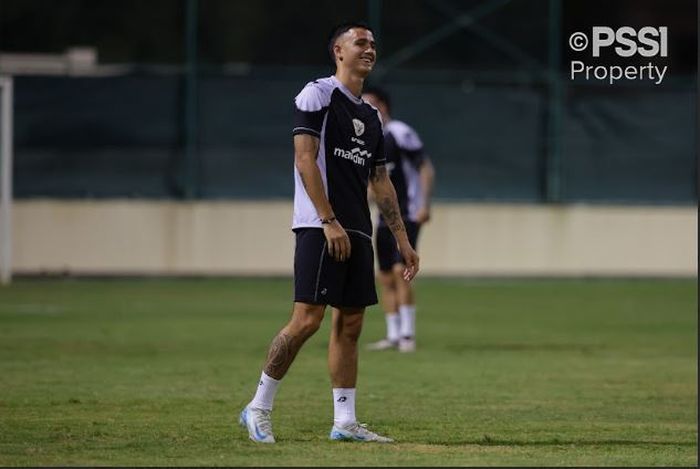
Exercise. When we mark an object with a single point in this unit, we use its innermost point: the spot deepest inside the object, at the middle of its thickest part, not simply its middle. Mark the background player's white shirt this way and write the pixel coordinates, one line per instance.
(409, 143)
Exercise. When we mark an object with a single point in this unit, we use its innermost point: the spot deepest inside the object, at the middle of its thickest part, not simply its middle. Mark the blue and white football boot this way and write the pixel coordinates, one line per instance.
(258, 423)
(356, 432)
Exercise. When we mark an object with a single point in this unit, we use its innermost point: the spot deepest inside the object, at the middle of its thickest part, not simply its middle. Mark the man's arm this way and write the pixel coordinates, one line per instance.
(427, 180)
(305, 154)
(389, 206)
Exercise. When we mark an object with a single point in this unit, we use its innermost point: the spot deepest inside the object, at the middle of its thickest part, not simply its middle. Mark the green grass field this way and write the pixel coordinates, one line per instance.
(154, 372)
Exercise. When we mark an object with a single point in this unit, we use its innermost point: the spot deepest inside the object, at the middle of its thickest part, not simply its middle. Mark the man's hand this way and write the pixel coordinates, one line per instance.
(338, 241)
(410, 260)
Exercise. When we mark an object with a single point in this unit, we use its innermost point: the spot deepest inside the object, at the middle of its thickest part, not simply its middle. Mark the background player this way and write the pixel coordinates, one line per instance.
(412, 175)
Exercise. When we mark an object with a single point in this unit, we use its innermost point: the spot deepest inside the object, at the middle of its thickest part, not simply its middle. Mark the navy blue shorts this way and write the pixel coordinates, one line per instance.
(387, 251)
(321, 280)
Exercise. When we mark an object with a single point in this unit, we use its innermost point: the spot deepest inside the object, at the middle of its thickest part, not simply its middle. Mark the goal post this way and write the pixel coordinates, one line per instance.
(6, 97)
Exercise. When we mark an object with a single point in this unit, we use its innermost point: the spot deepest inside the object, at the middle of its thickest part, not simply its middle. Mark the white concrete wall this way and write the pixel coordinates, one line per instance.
(253, 238)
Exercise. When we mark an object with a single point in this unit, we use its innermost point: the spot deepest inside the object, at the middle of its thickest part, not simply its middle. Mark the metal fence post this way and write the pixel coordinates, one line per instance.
(190, 108)
(555, 106)
(374, 15)
(6, 149)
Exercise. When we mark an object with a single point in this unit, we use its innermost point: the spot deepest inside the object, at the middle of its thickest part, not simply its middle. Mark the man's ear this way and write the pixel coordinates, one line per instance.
(336, 50)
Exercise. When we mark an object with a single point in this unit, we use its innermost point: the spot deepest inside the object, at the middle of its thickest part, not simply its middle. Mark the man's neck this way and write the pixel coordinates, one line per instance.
(351, 81)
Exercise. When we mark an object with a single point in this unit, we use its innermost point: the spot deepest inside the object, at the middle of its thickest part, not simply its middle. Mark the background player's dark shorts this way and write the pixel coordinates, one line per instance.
(387, 252)
(319, 279)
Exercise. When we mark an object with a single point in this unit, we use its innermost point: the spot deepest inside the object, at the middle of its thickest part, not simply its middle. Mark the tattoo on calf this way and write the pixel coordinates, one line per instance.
(282, 351)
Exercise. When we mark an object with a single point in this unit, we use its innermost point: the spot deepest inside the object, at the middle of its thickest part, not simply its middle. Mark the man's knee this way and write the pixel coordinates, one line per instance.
(306, 318)
(351, 324)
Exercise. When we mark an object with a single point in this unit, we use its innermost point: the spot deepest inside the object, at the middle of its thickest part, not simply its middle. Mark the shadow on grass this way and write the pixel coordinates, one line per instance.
(502, 347)
(487, 440)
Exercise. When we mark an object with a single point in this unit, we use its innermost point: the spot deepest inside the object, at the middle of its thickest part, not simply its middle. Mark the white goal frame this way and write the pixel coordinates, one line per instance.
(6, 147)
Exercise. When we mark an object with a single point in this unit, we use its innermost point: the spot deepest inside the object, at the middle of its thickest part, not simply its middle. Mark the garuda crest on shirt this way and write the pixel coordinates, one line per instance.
(359, 127)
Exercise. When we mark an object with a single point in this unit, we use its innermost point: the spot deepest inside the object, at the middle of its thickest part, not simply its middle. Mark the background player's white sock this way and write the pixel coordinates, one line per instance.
(265, 394)
(343, 406)
(408, 320)
(393, 324)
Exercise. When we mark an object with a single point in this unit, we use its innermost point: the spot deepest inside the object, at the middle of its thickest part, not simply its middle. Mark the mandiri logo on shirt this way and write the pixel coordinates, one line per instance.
(359, 126)
(356, 155)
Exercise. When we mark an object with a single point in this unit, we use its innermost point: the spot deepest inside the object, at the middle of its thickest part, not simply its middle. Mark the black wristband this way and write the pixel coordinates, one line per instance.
(326, 221)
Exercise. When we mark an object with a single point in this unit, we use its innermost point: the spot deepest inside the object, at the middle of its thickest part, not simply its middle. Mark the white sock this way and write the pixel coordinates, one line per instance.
(393, 325)
(408, 320)
(265, 395)
(344, 406)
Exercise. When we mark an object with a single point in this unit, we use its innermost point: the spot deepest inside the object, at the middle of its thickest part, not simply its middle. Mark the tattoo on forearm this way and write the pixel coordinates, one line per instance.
(283, 349)
(387, 204)
(378, 173)
(390, 211)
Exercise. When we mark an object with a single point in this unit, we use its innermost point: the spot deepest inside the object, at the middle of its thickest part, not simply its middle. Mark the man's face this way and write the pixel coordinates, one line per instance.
(357, 49)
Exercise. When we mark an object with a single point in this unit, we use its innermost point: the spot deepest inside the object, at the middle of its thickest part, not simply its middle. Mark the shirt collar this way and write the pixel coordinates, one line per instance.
(346, 91)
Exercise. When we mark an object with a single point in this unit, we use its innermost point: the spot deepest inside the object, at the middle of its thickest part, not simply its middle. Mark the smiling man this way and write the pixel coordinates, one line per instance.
(338, 151)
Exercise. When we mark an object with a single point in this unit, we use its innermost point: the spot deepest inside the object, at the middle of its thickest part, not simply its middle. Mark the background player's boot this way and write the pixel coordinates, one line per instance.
(407, 344)
(384, 344)
(258, 423)
(356, 432)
